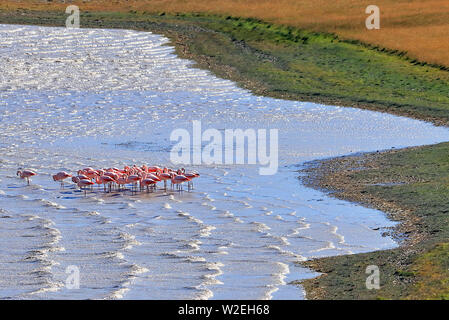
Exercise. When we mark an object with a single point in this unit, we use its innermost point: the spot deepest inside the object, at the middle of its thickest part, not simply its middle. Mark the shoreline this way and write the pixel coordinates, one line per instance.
(375, 180)
(226, 47)
(187, 37)
(331, 176)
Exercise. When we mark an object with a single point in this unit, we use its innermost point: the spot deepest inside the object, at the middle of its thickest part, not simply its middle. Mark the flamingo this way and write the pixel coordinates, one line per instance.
(153, 176)
(91, 174)
(122, 180)
(146, 176)
(113, 175)
(179, 180)
(105, 180)
(60, 176)
(154, 169)
(26, 174)
(99, 172)
(134, 179)
(191, 175)
(164, 177)
(84, 183)
(147, 182)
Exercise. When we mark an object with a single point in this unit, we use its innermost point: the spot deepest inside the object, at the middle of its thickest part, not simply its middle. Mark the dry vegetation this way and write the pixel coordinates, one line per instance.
(420, 28)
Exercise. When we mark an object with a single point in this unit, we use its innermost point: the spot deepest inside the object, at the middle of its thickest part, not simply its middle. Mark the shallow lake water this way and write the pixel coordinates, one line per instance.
(106, 98)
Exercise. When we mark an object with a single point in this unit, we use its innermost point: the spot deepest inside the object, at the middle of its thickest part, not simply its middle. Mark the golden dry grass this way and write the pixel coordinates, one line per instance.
(433, 274)
(419, 27)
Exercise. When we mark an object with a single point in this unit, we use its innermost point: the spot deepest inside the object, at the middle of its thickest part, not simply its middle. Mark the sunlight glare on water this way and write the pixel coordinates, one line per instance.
(102, 98)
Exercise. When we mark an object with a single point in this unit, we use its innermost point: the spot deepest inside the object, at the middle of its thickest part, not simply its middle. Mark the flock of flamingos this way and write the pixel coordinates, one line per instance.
(140, 178)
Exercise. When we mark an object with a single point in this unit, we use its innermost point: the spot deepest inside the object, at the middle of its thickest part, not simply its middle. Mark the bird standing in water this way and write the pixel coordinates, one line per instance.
(178, 180)
(26, 174)
(60, 176)
(84, 183)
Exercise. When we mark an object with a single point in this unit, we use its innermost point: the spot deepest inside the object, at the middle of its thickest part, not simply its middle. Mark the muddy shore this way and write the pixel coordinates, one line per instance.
(410, 185)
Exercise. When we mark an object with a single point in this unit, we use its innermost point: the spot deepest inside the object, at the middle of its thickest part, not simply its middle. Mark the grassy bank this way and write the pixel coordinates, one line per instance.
(285, 62)
(412, 186)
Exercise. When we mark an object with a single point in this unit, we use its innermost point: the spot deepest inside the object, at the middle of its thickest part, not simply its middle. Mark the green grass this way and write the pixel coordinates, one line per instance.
(433, 274)
(301, 64)
(285, 62)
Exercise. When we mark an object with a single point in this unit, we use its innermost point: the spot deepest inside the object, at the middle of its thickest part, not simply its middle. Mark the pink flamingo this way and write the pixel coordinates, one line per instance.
(83, 177)
(84, 183)
(122, 180)
(147, 182)
(134, 179)
(91, 174)
(60, 176)
(179, 180)
(100, 172)
(105, 180)
(191, 175)
(113, 175)
(26, 174)
(147, 177)
(153, 176)
(164, 177)
(153, 169)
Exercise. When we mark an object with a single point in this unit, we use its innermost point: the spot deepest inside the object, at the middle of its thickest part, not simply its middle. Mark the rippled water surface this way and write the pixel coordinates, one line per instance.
(102, 98)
